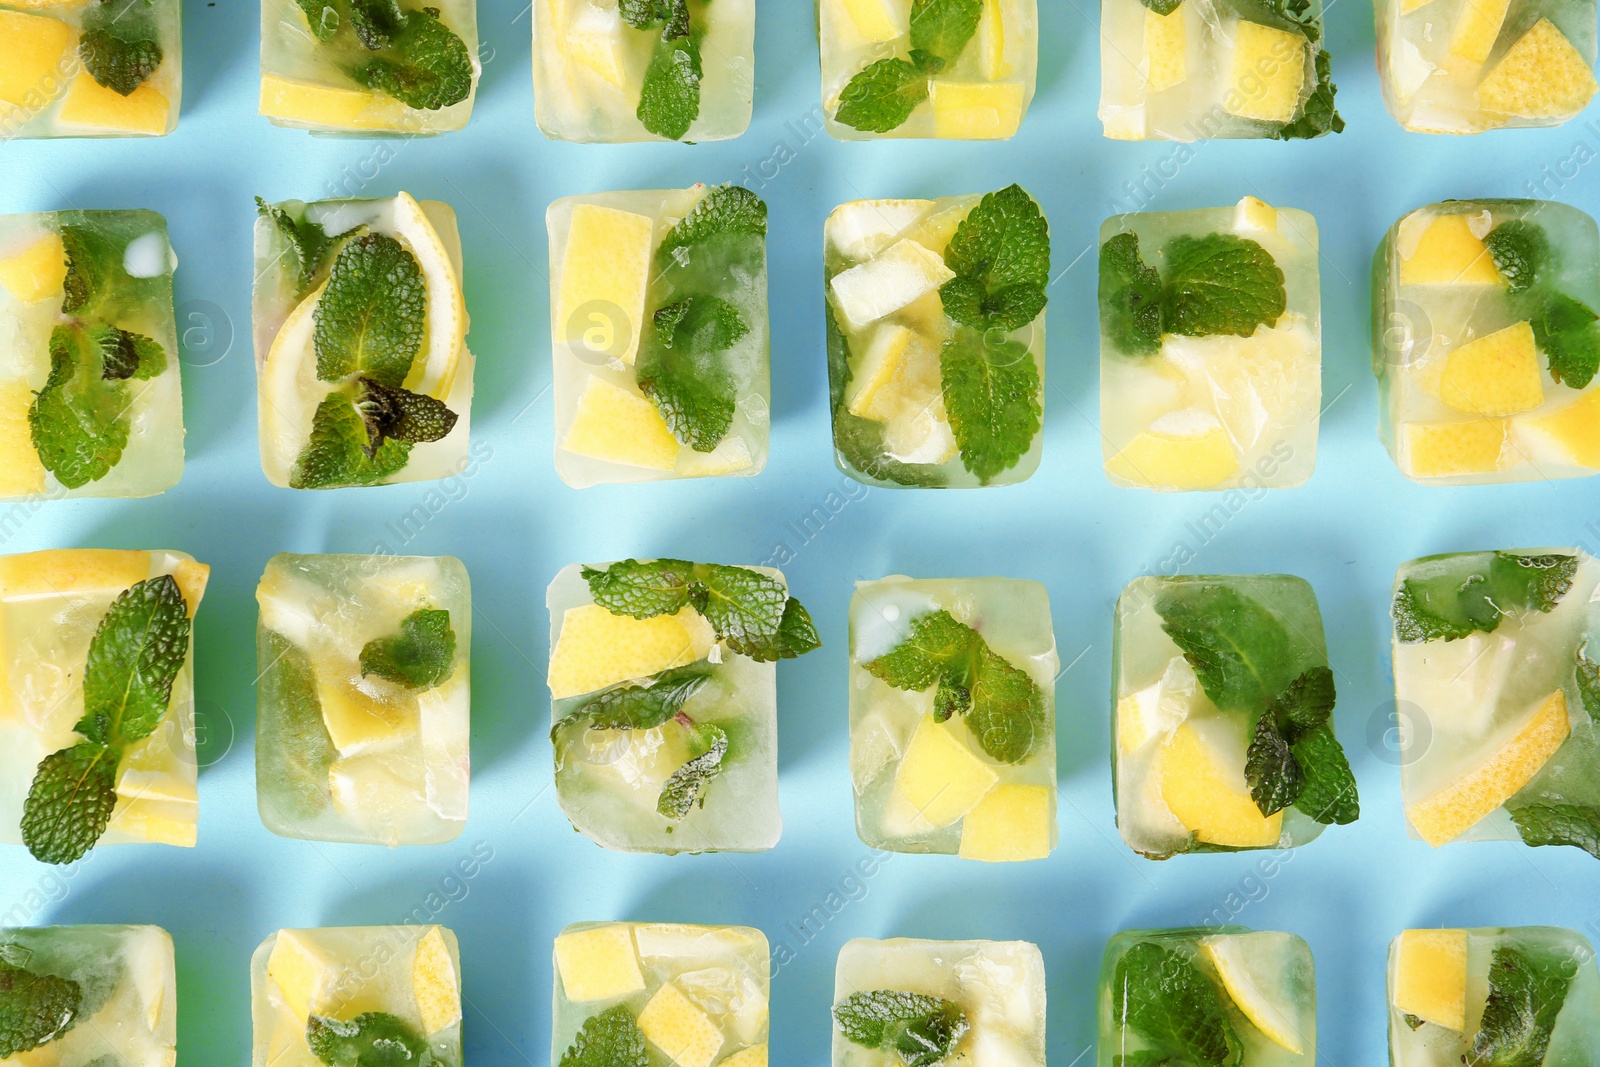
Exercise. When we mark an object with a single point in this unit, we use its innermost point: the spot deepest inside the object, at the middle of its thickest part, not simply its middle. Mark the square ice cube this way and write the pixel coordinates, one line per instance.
(392, 404)
(980, 1003)
(697, 995)
(1495, 687)
(604, 72)
(970, 78)
(935, 378)
(362, 724)
(332, 994)
(1217, 995)
(1466, 68)
(398, 68)
(90, 400)
(66, 614)
(954, 753)
(107, 69)
(1222, 735)
(1483, 328)
(1178, 71)
(658, 334)
(1207, 386)
(94, 995)
(1530, 993)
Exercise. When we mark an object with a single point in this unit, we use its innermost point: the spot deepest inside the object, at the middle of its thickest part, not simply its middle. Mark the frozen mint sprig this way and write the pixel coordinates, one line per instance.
(884, 93)
(687, 785)
(1164, 998)
(669, 97)
(1525, 997)
(410, 55)
(920, 1030)
(337, 453)
(118, 46)
(1564, 328)
(682, 369)
(79, 419)
(297, 732)
(306, 243)
(371, 1039)
(609, 1039)
(370, 318)
(34, 1008)
(1217, 284)
(642, 705)
(1318, 115)
(1000, 255)
(420, 655)
(1466, 598)
(991, 393)
(725, 212)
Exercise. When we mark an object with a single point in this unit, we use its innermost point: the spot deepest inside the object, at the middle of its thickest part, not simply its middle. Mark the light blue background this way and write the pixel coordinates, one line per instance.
(515, 524)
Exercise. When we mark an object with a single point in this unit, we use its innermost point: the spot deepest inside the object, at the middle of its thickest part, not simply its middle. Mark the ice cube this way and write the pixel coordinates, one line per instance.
(1183, 721)
(406, 416)
(659, 334)
(1197, 397)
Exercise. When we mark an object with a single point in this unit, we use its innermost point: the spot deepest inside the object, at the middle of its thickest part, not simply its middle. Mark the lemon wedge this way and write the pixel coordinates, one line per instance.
(434, 371)
(1250, 966)
(289, 391)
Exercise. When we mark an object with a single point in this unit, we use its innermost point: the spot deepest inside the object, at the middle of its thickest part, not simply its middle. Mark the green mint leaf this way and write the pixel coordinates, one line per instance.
(426, 66)
(681, 370)
(1270, 768)
(687, 785)
(294, 732)
(950, 699)
(1318, 115)
(748, 610)
(306, 243)
(1565, 331)
(79, 420)
(645, 14)
(1306, 704)
(400, 415)
(1236, 644)
(420, 655)
(610, 1039)
(1130, 296)
(699, 325)
(883, 94)
(1413, 1022)
(1162, 7)
(336, 454)
(1469, 598)
(725, 212)
(118, 46)
(1520, 250)
(135, 656)
(669, 99)
(1588, 676)
(1220, 284)
(643, 707)
(376, 22)
(1525, 996)
(35, 1008)
(1329, 794)
(91, 259)
(796, 635)
(943, 27)
(937, 645)
(641, 590)
(125, 355)
(69, 803)
(1165, 999)
(322, 17)
(1558, 824)
(1003, 241)
(1007, 709)
(920, 1030)
(743, 606)
(371, 1039)
(370, 317)
(991, 395)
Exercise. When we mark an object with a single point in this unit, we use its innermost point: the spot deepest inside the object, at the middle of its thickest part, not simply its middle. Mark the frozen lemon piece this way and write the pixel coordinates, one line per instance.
(674, 1025)
(1251, 215)
(434, 371)
(88, 103)
(355, 719)
(435, 984)
(604, 275)
(934, 233)
(192, 578)
(919, 430)
(1574, 429)
(1166, 49)
(1266, 73)
(1449, 253)
(1181, 450)
(303, 972)
(975, 110)
(754, 1056)
(1011, 822)
(861, 229)
(38, 272)
(1494, 375)
(1477, 27)
(595, 39)
(1430, 976)
(155, 785)
(940, 779)
(598, 963)
(618, 426)
(1205, 788)
(33, 51)
(868, 291)
(1460, 805)
(876, 20)
(77, 570)
(878, 367)
(163, 822)
(1451, 449)
(731, 454)
(1247, 963)
(21, 473)
(1156, 710)
(597, 649)
(325, 105)
(1541, 76)
(991, 42)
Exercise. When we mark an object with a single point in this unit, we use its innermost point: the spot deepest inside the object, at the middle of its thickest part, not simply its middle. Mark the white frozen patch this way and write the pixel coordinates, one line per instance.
(149, 256)
(344, 216)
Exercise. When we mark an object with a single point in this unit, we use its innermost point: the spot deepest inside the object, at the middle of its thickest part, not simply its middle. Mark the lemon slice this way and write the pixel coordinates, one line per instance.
(435, 371)
(289, 391)
(1250, 965)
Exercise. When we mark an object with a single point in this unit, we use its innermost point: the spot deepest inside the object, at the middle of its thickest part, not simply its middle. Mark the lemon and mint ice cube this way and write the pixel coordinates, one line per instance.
(663, 689)
(1210, 347)
(97, 727)
(952, 717)
(363, 697)
(658, 334)
(954, 69)
(110, 68)
(935, 318)
(906, 1002)
(1223, 996)
(357, 995)
(1468, 67)
(1222, 725)
(1495, 995)
(634, 994)
(1495, 669)
(1485, 341)
(363, 375)
(369, 66)
(643, 70)
(90, 399)
(88, 996)
(1192, 70)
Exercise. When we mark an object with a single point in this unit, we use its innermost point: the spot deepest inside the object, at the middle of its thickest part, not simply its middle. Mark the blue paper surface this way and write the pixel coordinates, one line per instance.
(514, 524)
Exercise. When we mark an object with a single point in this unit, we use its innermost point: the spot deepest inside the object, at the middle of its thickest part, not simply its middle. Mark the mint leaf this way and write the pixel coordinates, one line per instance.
(1520, 250)
(420, 655)
(1162, 7)
(35, 1008)
(726, 211)
(125, 355)
(937, 644)
(743, 606)
(645, 14)
(118, 46)
(920, 1030)
(1525, 997)
(1557, 824)
(370, 317)
(134, 658)
(294, 730)
(1588, 677)
(1270, 769)
(306, 243)
(687, 785)
(680, 369)
(371, 1039)
(1237, 645)
(1565, 331)
(1318, 115)
(400, 415)
(426, 67)
(1007, 709)
(669, 99)
(699, 325)
(991, 395)
(90, 262)
(79, 420)
(943, 27)
(610, 1039)
(1130, 296)
(1306, 704)
(1466, 597)
(883, 94)
(322, 17)
(1161, 995)
(1293, 745)
(796, 635)
(336, 453)
(1000, 254)
(642, 590)
(69, 803)
(643, 706)
(1220, 284)
(1329, 794)
(376, 22)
